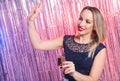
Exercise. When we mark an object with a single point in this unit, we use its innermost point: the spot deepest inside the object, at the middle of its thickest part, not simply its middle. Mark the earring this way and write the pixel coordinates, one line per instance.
(93, 33)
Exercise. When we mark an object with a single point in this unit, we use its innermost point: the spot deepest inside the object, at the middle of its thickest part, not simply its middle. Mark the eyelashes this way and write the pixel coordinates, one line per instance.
(87, 21)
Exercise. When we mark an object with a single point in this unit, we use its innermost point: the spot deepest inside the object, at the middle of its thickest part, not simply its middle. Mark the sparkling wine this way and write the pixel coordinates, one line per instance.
(61, 59)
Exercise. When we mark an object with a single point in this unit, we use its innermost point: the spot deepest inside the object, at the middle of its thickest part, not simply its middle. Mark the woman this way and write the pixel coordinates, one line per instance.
(85, 54)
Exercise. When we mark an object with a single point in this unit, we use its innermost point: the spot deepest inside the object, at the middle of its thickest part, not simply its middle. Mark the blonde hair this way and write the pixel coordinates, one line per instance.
(99, 29)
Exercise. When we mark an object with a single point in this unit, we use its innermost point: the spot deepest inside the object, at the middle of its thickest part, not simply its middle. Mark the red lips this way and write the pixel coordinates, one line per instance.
(80, 28)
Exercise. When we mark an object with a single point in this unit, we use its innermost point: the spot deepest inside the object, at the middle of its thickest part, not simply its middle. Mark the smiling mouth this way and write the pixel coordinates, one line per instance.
(80, 28)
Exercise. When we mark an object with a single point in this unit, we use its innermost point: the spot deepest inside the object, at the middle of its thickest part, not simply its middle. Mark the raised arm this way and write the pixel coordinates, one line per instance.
(36, 42)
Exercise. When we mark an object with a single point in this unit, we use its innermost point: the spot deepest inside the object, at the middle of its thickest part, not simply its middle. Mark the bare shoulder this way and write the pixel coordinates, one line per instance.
(101, 52)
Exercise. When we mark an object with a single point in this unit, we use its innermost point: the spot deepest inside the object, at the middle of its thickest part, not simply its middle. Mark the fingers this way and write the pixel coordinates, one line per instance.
(67, 64)
(34, 12)
(68, 67)
(69, 70)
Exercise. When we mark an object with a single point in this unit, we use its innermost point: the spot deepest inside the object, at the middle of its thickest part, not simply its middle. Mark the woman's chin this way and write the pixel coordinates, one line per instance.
(81, 33)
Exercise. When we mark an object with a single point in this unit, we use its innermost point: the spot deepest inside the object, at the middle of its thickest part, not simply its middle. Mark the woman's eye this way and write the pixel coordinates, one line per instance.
(88, 22)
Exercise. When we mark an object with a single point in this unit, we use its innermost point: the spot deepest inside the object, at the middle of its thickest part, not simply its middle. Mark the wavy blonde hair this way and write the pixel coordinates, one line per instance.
(99, 30)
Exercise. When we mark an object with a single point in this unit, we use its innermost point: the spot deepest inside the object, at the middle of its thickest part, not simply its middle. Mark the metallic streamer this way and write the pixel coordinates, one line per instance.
(57, 17)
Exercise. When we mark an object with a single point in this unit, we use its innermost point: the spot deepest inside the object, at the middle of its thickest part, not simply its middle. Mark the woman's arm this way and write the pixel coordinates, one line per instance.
(36, 42)
(95, 72)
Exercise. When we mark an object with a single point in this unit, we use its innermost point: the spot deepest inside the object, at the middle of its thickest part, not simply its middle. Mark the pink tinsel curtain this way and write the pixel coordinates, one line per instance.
(20, 62)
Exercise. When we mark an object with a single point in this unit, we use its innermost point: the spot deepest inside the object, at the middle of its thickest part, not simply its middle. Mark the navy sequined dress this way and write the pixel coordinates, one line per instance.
(73, 53)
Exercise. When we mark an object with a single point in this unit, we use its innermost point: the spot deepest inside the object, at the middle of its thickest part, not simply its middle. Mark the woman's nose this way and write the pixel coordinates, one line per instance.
(82, 24)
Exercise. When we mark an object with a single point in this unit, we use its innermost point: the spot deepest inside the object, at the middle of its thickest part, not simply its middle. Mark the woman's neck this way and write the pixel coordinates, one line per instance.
(83, 39)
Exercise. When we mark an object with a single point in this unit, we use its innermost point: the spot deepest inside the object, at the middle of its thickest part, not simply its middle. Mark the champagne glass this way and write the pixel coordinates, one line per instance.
(60, 60)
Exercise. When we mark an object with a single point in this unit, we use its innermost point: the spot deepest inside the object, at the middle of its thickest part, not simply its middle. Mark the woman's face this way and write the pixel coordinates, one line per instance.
(85, 24)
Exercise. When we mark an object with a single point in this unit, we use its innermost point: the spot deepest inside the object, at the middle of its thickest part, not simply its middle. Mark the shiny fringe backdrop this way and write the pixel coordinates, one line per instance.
(20, 62)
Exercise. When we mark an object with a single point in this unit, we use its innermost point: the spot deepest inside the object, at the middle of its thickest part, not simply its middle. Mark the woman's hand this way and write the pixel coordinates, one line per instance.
(34, 13)
(69, 67)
